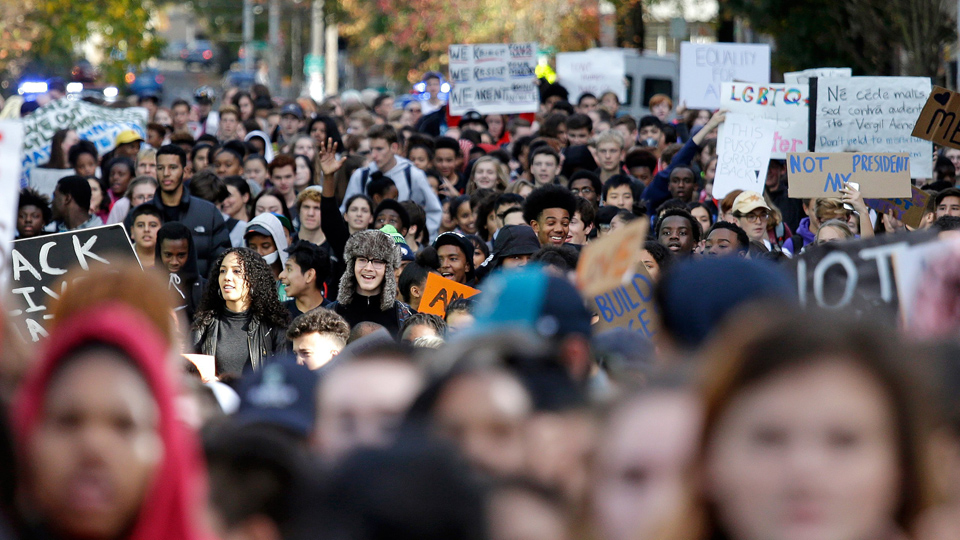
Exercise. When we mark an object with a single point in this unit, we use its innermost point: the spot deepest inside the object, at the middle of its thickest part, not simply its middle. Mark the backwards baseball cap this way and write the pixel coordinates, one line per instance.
(747, 202)
(292, 108)
(281, 395)
(128, 136)
(531, 299)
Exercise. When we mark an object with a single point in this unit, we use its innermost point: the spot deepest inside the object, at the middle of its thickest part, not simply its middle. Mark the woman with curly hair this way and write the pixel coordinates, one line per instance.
(240, 321)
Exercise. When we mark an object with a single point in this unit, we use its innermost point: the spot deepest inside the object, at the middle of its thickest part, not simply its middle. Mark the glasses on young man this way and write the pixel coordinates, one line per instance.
(378, 264)
(755, 217)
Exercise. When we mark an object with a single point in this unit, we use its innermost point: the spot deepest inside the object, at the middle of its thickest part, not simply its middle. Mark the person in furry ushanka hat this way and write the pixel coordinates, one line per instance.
(368, 288)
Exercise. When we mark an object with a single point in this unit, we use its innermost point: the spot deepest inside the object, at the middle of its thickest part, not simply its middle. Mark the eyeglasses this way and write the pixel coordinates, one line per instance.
(378, 264)
(755, 218)
(578, 191)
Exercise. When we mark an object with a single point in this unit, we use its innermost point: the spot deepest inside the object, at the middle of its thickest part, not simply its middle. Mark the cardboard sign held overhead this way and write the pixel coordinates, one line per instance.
(743, 150)
(703, 66)
(823, 175)
(786, 105)
(439, 292)
(907, 210)
(612, 260)
(628, 306)
(938, 120)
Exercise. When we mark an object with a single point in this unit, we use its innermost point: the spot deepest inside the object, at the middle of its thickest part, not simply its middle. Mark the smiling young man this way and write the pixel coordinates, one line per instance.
(678, 231)
(411, 183)
(548, 210)
(455, 253)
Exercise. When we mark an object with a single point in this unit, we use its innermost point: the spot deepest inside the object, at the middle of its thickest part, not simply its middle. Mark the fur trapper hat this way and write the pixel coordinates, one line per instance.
(372, 245)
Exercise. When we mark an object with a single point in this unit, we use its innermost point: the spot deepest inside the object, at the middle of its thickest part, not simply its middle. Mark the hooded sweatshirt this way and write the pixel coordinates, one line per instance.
(267, 146)
(173, 499)
(187, 284)
(271, 224)
(383, 308)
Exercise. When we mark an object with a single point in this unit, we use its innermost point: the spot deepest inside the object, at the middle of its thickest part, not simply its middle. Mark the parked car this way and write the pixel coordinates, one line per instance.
(202, 53)
(147, 82)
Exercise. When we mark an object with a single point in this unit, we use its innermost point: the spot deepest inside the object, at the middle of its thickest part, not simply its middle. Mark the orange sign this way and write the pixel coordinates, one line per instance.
(440, 292)
(611, 261)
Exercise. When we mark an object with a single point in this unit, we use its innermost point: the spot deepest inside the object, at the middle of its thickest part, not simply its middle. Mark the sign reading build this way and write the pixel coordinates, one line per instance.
(823, 175)
(493, 78)
(40, 263)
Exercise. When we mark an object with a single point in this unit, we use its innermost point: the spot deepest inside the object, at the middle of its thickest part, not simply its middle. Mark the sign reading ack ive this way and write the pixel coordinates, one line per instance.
(823, 175)
(704, 66)
(493, 78)
(39, 264)
(938, 121)
(873, 114)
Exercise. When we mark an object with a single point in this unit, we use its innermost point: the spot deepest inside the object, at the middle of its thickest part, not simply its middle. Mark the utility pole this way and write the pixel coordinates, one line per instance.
(274, 56)
(247, 36)
(313, 64)
(333, 51)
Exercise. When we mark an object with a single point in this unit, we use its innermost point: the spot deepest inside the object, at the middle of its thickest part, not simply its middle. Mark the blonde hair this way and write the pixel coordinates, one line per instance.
(502, 178)
(610, 135)
(519, 185)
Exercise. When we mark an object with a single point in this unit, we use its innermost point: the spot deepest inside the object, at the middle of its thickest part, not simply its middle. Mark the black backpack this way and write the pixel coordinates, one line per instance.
(365, 177)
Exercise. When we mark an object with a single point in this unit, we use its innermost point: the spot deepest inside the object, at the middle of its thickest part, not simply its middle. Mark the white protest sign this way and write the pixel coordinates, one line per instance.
(595, 72)
(803, 77)
(11, 145)
(786, 105)
(743, 151)
(44, 181)
(873, 114)
(493, 78)
(703, 66)
(99, 125)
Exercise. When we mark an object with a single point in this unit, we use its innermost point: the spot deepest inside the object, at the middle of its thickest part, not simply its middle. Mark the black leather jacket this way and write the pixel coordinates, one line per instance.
(262, 341)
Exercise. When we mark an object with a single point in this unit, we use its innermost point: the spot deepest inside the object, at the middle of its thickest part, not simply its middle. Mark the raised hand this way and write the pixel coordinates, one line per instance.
(327, 160)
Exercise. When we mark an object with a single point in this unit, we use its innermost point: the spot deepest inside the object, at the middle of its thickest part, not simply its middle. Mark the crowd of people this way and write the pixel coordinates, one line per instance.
(264, 369)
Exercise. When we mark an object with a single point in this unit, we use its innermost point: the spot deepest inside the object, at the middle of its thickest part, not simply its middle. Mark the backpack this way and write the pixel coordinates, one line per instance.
(365, 177)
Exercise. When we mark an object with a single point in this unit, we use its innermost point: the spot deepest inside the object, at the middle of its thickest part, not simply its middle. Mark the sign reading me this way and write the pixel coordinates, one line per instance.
(824, 174)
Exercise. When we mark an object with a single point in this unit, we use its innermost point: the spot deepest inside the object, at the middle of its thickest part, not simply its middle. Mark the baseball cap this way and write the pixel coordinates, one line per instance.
(515, 240)
(257, 229)
(128, 136)
(531, 299)
(280, 394)
(292, 108)
(747, 202)
(472, 116)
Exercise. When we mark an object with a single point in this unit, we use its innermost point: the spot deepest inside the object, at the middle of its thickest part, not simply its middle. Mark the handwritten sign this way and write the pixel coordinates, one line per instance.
(628, 306)
(803, 77)
(786, 105)
(493, 78)
(595, 71)
(855, 275)
(99, 125)
(612, 260)
(38, 266)
(938, 119)
(11, 143)
(704, 66)
(908, 210)
(823, 175)
(439, 292)
(743, 150)
(873, 114)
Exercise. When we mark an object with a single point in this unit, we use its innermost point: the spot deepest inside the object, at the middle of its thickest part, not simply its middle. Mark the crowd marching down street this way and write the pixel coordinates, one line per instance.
(502, 307)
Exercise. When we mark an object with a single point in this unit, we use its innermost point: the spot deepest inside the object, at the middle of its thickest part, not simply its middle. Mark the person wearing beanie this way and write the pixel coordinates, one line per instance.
(514, 246)
(368, 288)
(455, 252)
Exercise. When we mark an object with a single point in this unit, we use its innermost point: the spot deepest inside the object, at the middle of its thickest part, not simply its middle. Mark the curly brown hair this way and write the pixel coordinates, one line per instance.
(265, 305)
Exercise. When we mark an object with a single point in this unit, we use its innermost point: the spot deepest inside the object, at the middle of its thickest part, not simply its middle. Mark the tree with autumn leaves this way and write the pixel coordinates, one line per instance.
(405, 38)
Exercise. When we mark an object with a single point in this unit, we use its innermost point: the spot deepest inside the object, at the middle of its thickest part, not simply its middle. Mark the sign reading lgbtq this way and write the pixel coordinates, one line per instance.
(824, 174)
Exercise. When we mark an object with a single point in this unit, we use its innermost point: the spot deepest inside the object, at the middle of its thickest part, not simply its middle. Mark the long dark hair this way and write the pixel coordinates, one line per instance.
(58, 159)
(265, 305)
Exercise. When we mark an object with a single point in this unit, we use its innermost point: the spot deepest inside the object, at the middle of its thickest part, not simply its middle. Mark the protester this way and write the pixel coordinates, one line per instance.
(317, 337)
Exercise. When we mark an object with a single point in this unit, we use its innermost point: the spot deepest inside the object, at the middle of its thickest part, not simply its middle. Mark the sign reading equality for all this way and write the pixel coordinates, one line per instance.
(873, 114)
(938, 120)
(823, 175)
(595, 71)
(785, 104)
(704, 66)
(743, 154)
(439, 292)
(38, 266)
(493, 78)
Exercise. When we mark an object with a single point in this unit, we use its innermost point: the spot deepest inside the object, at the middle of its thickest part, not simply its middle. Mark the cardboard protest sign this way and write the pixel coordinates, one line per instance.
(703, 66)
(611, 260)
(908, 210)
(493, 78)
(743, 150)
(628, 306)
(39, 264)
(823, 175)
(11, 143)
(99, 125)
(786, 105)
(873, 114)
(938, 119)
(855, 275)
(595, 71)
(803, 77)
(439, 292)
